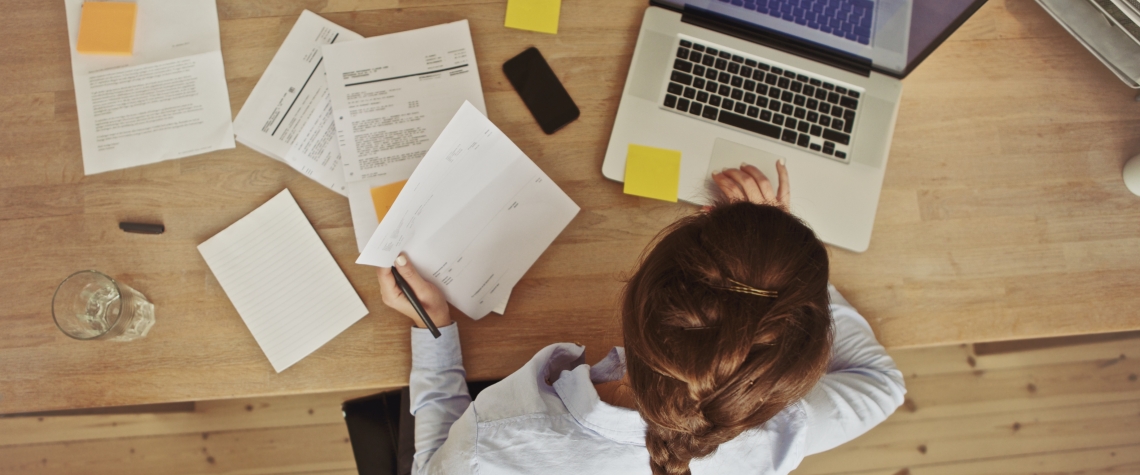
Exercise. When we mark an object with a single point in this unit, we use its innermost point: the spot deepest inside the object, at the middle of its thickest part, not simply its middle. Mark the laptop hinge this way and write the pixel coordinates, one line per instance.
(772, 39)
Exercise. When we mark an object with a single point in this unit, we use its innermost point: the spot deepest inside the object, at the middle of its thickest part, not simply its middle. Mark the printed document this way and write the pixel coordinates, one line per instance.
(393, 94)
(288, 116)
(168, 100)
(283, 281)
(474, 216)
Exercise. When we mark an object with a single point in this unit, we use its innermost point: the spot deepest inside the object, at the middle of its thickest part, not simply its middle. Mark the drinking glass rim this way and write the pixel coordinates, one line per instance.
(119, 315)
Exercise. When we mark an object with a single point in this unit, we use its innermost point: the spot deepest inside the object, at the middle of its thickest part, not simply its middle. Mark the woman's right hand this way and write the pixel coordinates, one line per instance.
(748, 183)
(432, 300)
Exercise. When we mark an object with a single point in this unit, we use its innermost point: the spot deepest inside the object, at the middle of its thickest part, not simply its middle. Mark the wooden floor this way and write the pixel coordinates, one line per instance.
(970, 410)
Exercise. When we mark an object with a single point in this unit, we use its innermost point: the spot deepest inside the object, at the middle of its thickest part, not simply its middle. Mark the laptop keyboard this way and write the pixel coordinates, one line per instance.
(850, 19)
(712, 83)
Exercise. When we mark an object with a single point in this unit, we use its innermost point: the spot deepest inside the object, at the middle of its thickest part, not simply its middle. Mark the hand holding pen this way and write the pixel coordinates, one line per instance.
(433, 309)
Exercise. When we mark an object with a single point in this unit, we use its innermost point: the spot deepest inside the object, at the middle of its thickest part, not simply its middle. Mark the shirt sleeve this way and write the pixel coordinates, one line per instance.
(862, 386)
(438, 389)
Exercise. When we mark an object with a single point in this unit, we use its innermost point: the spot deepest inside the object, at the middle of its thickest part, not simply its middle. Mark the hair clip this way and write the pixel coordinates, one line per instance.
(746, 289)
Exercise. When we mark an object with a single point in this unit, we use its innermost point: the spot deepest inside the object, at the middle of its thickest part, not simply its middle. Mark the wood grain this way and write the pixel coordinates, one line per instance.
(1003, 214)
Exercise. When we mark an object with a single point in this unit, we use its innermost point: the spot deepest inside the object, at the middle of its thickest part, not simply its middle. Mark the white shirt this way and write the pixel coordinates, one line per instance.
(524, 425)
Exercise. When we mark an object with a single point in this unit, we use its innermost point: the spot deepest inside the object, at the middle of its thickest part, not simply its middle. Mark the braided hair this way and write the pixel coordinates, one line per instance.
(707, 363)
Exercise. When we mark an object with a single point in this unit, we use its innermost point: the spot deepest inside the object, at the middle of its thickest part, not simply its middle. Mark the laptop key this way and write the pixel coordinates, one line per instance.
(829, 147)
(737, 81)
(797, 86)
(723, 77)
(809, 90)
(775, 106)
(750, 62)
(746, 71)
(698, 70)
(849, 115)
(833, 98)
(824, 120)
(750, 125)
(753, 111)
(734, 68)
(727, 104)
(824, 108)
(848, 102)
(776, 70)
(761, 101)
(787, 96)
(812, 104)
(789, 75)
(758, 75)
(837, 112)
(790, 122)
(836, 136)
(761, 89)
(724, 90)
(681, 78)
(726, 55)
(721, 64)
(682, 65)
(778, 119)
(816, 130)
(689, 93)
(683, 53)
(799, 100)
(699, 47)
(675, 88)
(813, 117)
(687, 43)
(784, 83)
(821, 94)
(737, 59)
(749, 85)
(710, 113)
(695, 108)
(702, 97)
(829, 87)
(787, 109)
(804, 140)
(816, 147)
(771, 79)
(711, 51)
(711, 74)
(763, 67)
(683, 104)
(789, 136)
(698, 83)
(695, 56)
(837, 124)
(714, 101)
(740, 107)
(849, 126)
(840, 154)
(801, 78)
(766, 115)
(750, 98)
(815, 82)
(841, 90)
(737, 94)
(711, 87)
(670, 101)
(803, 127)
(774, 93)
(854, 94)
(799, 113)
(708, 60)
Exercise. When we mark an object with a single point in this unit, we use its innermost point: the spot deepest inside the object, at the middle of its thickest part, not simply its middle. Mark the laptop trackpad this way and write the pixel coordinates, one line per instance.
(729, 154)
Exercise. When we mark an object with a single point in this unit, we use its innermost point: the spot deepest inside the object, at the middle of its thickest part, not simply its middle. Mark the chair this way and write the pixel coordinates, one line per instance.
(382, 430)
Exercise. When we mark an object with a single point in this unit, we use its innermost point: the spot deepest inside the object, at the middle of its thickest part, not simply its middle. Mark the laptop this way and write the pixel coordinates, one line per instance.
(815, 82)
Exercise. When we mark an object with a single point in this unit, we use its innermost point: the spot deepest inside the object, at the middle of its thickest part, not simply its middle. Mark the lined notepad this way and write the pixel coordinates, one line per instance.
(283, 281)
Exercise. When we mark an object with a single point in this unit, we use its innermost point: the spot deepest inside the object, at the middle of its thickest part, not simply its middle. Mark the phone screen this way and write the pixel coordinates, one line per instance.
(541, 91)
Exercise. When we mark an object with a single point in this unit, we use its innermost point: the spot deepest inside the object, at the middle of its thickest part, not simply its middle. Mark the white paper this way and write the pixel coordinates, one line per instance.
(283, 281)
(288, 115)
(393, 94)
(502, 308)
(168, 100)
(474, 216)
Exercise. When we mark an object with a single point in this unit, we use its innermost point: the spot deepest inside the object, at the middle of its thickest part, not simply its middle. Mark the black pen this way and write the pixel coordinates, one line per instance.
(415, 301)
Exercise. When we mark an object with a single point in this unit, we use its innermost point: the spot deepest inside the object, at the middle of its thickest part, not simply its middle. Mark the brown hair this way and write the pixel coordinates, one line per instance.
(706, 363)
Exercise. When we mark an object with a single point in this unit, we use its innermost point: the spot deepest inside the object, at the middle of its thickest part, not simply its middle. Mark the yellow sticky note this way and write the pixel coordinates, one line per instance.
(534, 15)
(652, 172)
(107, 28)
(384, 196)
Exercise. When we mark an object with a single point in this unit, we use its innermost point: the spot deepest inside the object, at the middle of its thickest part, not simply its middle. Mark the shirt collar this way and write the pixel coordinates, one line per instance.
(576, 388)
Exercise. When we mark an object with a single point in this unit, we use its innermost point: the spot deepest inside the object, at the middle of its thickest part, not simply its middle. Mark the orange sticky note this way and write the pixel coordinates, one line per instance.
(652, 172)
(384, 196)
(107, 28)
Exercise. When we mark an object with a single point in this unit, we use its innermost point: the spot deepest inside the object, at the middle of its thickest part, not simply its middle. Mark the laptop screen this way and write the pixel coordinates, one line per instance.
(894, 35)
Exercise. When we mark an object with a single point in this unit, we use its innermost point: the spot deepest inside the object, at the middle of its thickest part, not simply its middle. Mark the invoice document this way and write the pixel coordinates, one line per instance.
(474, 216)
(393, 94)
(288, 115)
(168, 100)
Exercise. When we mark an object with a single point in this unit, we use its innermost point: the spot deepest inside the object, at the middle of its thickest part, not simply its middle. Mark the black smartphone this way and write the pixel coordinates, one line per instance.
(541, 91)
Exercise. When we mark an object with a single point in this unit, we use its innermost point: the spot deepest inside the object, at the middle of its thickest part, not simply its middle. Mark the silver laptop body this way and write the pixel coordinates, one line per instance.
(832, 120)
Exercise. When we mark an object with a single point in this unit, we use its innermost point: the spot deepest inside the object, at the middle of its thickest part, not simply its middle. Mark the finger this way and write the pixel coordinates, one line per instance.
(408, 272)
(762, 181)
(748, 184)
(784, 194)
(729, 187)
(389, 292)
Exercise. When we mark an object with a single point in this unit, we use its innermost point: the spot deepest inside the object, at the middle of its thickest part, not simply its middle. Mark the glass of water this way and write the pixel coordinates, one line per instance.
(89, 305)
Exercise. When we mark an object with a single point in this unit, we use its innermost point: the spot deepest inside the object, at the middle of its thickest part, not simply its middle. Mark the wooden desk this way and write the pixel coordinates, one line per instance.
(1003, 214)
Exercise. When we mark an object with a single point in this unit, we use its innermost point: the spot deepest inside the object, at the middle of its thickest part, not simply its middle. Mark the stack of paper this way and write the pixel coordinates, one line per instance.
(474, 216)
(282, 281)
(168, 100)
(288, 116)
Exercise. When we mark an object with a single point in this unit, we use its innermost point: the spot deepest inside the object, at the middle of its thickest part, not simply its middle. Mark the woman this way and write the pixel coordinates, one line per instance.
(739, 357)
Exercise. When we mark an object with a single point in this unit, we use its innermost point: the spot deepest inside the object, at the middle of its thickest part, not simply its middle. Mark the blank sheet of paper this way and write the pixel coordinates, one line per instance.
(283, 281)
